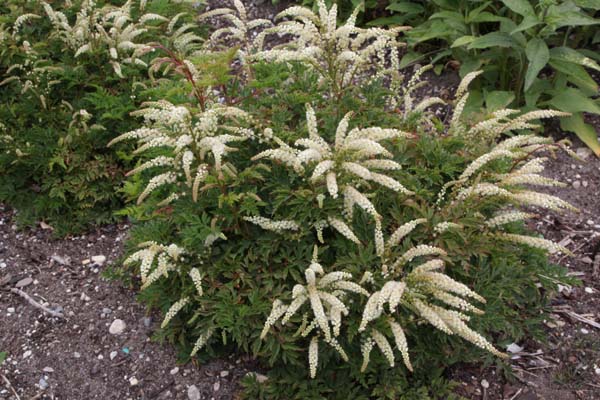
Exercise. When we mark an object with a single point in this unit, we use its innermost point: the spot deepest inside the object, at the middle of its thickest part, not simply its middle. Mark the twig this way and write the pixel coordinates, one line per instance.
(36, 304)
(579, 318)
(516, 394)
(10, 386)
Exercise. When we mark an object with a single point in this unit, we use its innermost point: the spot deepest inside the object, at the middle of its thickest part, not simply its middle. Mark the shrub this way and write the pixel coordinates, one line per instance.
(532, 53)
(302, 216)
(73, 71)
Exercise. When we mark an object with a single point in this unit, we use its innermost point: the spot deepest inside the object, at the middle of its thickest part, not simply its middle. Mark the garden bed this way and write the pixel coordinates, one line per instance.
(77, 357)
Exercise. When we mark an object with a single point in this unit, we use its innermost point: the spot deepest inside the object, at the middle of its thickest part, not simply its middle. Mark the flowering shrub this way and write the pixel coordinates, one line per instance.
(70, 74)
(329, 225)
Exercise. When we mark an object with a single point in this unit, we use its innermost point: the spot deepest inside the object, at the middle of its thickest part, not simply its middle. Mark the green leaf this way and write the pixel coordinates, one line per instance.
(528, 22)
(574, 101)
(448, 15)
(522, 7)
(463, 40)
(538, 55)
(585, 132)
(2, 357)
(573, 56)
(576, 74)
(409, 58)
(493, 39)
(498, 99)
(568, 14)
(406, 7)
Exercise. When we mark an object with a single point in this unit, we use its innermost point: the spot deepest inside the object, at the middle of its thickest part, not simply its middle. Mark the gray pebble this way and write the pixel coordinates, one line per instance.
(193, 393)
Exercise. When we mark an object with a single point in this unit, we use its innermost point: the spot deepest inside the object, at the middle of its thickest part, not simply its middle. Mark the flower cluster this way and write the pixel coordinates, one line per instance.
(196, 143)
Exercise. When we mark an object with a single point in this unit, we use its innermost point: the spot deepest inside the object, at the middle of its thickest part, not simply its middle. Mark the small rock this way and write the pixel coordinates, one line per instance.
(576, 185)
(583, 152)
(85, 297)
(117, 327)
(597, 371)
(514, 348)
(48, 369)
(193, 393)
(485, 384)
(24, 282)
(99, 260)
(113, 354)
(174, 371)
(260, 378)
(589, 290)
(86, 261)
(60, 260)
(584, 331)
(100, 357)
(133, 381)
(216, 386)
(11, 310)
(147, 321)
(43, 384)
(106, 310)
(585, 183)
(76, 355)
(224, 374)
(27, 354)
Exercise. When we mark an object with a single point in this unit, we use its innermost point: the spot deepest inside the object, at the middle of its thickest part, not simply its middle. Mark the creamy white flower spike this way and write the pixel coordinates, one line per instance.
(194, 139)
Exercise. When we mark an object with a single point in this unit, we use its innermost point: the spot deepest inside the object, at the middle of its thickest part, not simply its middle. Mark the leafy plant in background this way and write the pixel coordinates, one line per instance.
(71, 74)
(533, 53)
(280, 215)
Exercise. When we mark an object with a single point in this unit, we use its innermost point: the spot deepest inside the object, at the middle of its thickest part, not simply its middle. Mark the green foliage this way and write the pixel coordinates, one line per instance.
(3, 355)
(233, 223)
(534, 53)
(60, 104)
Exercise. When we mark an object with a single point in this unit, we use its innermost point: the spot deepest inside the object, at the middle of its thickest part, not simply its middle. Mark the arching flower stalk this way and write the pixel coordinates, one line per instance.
(245, 33)
(191, 138)
(340, 55)
(356, 157)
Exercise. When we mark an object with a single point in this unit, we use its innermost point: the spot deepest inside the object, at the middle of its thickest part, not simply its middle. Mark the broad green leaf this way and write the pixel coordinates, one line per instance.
(406, 7)
(493, 39)
(463, 40)
(585, 132)
(528, 22)
(498, 99)
(522, 7)
(475, 12)
(488, 17)
(538, 55)
(577, 75)
(568, 14)
(593, 4)
(573, 56)
(448, 15)
(2, 357)
(574, 101)
(409, 58)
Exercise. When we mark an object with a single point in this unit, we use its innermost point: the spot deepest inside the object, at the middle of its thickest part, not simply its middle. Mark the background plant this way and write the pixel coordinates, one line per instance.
(343, 218)
(71, 74)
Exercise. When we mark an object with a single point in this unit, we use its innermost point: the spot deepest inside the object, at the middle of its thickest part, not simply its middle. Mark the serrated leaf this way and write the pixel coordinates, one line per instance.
(522, 7)
(574, 101)
(405, 7)
(576, 74)
(573, 56)
(463, 40)
(538, 55)
(498, 99)
(528, 22)
(585, 132)
(493, 39)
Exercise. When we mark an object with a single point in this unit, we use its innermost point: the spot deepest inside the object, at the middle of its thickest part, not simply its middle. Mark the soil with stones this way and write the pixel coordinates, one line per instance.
(77, 357)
